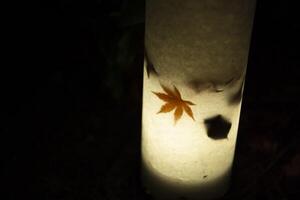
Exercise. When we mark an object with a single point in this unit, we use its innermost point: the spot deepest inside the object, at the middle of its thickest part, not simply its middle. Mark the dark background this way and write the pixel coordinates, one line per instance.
(71, 81)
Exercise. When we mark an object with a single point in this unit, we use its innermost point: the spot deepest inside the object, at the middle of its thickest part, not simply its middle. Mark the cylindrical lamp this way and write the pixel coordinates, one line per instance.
(195, 63)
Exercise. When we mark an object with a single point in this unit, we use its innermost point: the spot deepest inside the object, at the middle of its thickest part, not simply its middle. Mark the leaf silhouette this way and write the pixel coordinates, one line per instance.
(200, 86)
(174, 101)
(237, 97)
(149, 66)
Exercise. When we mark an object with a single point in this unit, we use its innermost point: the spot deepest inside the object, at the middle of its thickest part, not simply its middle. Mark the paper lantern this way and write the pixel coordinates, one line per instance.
(195, 63)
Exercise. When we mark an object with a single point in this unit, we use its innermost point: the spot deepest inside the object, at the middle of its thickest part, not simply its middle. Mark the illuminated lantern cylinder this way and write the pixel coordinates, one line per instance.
(195, 63)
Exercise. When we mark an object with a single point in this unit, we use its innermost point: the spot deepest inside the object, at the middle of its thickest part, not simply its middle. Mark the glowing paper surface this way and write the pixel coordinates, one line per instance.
(195, 63)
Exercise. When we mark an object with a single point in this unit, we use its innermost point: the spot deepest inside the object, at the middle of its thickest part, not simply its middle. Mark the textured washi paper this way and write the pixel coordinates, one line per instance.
(195, 63)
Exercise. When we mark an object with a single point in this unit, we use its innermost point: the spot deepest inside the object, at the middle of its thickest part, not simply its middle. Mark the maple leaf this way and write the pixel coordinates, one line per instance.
(174, 101)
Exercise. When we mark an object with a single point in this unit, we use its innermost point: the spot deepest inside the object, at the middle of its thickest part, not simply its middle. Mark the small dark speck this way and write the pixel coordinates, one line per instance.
(204, 176)
(217, 127)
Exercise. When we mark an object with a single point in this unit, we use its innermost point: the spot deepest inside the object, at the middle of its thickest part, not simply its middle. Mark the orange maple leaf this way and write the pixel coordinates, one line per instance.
(174, 101)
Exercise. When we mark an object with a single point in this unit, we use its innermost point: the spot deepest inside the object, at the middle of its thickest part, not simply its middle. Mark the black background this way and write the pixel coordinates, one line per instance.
(71, 81)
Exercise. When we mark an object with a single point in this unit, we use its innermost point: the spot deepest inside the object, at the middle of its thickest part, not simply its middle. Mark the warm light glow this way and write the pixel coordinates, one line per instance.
(192, 93)
(183, 151)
